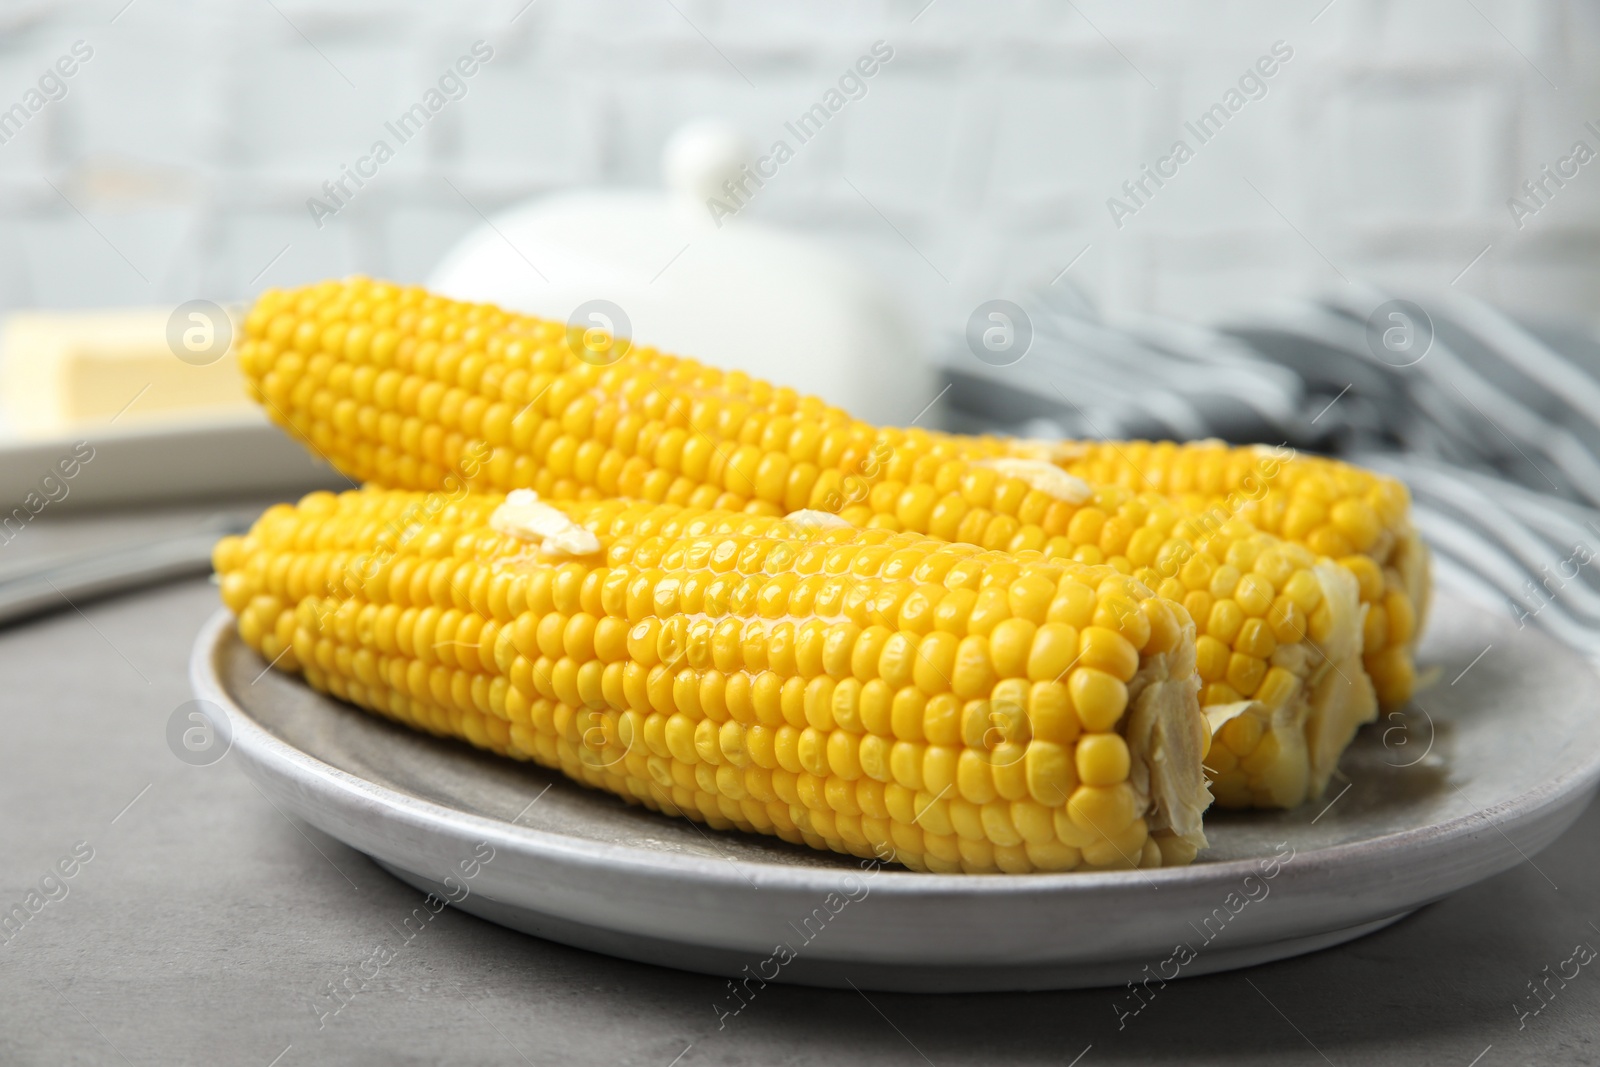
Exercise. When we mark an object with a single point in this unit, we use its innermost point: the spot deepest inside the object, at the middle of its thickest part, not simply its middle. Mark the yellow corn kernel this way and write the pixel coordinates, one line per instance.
(1225, 620)
(1212, 656)
(1050, 713)
(1241, 734)
(1104, 809)
(1053, 652)
(1098, 698)
(1108, 651)
(1375, 629)
(1277, 688)
(1304, 591)
(1368, 573)
(1102, 759)
(1122, 615)
(1288, 622)
(1011, 646)
(1393, 675)
(1120, 851)
(1256, 639)
(1245, 673)
(1402, 618)
(1356, 520)
(1253, 595)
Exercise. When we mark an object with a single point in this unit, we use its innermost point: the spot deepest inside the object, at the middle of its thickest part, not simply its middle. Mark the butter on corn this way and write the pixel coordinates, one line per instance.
(821, 520)
(525, 517)
(857, 690)
(1043, 476)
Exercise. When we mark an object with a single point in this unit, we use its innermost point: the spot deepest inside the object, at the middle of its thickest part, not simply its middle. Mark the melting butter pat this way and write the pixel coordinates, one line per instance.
(525, 517)
(821, 520)
(1044, 476)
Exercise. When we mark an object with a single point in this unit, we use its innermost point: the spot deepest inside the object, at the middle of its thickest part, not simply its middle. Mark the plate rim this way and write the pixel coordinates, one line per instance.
(262, 749)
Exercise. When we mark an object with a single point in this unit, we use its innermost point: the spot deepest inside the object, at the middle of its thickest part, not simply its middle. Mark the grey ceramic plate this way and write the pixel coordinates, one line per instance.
(1485, 770)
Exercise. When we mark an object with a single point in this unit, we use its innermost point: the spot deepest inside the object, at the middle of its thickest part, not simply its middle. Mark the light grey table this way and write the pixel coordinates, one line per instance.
(206, 925)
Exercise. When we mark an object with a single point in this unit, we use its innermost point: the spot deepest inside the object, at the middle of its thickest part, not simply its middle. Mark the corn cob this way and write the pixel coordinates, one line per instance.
(1279, 638)
(1355, 516)
(852, 689)
(396, 386)
(404, 389)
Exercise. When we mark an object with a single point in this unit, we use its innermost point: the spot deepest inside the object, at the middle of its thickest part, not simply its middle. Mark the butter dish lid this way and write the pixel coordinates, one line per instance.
(660, 267)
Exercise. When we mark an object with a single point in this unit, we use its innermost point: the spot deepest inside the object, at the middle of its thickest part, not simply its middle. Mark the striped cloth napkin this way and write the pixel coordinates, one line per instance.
(1493, 424)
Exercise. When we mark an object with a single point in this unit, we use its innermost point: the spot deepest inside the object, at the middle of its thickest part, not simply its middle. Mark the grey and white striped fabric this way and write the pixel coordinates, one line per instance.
(1494, 425)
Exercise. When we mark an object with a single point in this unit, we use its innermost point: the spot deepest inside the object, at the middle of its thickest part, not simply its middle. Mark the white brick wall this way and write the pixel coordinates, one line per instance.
(1390, 142)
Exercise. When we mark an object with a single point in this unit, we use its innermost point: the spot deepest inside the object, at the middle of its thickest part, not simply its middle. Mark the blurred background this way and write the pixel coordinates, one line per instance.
(1392, 139)
(184, 151)
(1379, 237)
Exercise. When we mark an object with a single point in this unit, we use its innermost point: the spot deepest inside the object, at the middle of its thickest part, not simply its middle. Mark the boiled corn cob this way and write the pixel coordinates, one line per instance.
(852, 689)
(404, 389)
(1279, 638)
(1355, 516)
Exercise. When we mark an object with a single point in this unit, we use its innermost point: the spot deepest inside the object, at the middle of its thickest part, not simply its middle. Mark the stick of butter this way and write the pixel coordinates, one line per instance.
(61, 369)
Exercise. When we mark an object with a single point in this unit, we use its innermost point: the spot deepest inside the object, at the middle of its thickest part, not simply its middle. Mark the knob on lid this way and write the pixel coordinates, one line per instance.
(701, 156)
